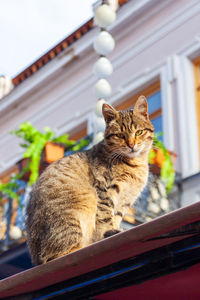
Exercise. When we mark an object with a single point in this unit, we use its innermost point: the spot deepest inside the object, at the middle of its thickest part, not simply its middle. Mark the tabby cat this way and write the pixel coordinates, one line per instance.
(82, 198)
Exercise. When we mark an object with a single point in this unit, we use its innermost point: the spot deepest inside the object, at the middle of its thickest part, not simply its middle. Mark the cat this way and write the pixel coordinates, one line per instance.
(82, 198)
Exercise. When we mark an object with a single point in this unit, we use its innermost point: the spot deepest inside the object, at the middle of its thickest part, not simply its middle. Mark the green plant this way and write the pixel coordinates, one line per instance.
(34, 143)
(9, 189)
(167, 170)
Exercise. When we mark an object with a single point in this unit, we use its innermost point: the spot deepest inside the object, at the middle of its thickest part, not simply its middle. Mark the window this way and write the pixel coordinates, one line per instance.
(197, 92)
(153, 95)
(77, 135)
(155, 111)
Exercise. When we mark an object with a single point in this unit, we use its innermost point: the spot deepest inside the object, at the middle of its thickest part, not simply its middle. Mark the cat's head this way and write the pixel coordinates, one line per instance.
(128, 133)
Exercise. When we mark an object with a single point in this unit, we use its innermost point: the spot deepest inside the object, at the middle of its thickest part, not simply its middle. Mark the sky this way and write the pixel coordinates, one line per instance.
(29, 28)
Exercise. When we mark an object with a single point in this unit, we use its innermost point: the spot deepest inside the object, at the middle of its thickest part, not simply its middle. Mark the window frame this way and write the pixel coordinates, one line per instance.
(147, 92)
(196, 65)
(77, 135)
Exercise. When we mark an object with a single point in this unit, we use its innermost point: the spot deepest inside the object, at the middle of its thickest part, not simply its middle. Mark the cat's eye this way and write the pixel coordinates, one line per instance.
(139, 132)
(120, 135)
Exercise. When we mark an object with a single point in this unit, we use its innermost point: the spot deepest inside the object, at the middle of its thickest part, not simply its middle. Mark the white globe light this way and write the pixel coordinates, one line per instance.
(98, 107)
(104, 43)
(105, 16)
(98, 138)
(103, 67)
(102, 88)
(15, 233)
(99, 124)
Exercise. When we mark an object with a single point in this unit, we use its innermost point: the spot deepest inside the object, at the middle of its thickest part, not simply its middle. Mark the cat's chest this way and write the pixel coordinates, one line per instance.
(107, 177)
(132, 175)
(121, 184)
(102, 179)
(130, 183)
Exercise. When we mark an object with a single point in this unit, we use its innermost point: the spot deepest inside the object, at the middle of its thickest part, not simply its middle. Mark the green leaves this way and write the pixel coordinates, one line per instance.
(167, 173)
(9, 189)
(80, 145)
(34, 142)
(63, 139)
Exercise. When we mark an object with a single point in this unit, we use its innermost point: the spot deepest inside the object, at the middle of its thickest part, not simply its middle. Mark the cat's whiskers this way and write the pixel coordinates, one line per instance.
(120, 153)
(116, 155)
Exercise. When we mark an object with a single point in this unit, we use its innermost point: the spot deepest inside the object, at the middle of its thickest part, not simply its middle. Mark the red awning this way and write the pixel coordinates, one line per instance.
(160, 232)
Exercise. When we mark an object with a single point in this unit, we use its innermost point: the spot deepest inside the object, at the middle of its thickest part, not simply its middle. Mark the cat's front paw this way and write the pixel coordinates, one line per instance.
(111, 232)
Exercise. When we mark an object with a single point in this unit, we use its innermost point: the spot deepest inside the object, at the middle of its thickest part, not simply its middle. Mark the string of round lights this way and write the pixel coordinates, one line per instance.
(104, 44)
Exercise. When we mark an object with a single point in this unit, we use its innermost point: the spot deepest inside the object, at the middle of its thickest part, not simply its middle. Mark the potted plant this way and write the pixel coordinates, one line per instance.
(161, 162)
(42, 146)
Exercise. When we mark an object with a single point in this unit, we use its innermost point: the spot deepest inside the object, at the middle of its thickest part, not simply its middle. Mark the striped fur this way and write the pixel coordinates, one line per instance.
(83, 197)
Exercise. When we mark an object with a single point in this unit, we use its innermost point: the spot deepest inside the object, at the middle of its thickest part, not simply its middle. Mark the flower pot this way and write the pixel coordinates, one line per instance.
(53, 152)
(159, 158)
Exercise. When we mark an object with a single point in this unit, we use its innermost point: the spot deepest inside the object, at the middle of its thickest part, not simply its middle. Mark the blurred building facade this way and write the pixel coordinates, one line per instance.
(157, 54)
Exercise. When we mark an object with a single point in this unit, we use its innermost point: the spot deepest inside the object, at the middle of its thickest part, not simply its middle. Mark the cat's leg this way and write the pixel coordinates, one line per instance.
(87, 220)
(107, 222)
(117, 218)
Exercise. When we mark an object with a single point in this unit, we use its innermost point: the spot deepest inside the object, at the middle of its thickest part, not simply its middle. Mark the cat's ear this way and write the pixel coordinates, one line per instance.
(141, 107)
(109, 112)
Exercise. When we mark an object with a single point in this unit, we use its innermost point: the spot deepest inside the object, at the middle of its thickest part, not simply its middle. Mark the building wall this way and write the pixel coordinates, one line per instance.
(191, 190)
(155, 40)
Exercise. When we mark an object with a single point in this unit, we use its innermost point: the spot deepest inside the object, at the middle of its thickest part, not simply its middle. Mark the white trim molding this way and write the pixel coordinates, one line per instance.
(179, 113)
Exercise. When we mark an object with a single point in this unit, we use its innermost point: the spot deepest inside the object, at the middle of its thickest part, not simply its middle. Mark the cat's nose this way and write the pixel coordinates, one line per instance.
(131, 145)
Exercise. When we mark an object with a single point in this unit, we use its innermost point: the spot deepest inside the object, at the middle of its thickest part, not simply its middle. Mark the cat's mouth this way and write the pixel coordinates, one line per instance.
(129, 152)
(133, 153)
